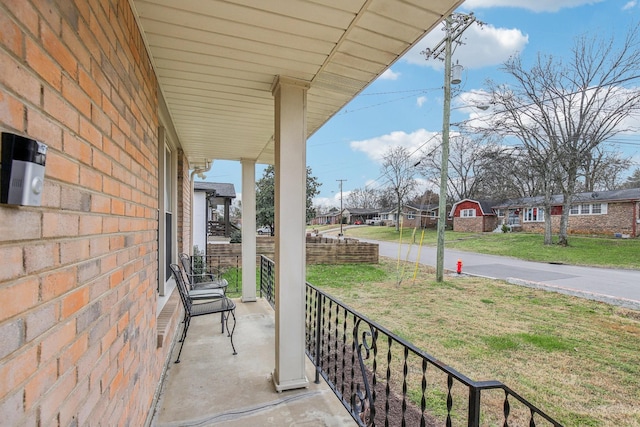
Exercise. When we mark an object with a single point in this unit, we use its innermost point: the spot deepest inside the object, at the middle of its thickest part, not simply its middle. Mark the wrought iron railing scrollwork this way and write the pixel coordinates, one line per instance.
(364, 344)
(382, 380)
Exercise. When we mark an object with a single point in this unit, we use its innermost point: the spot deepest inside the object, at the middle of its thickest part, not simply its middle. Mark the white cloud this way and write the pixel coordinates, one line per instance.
(482, 47)
(630, 5)
(421, 100)
(326, 203)
(532, 5)
(376, 148)
(389, 75)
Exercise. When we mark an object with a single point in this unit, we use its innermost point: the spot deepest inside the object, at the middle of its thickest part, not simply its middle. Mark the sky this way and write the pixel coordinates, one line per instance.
(404, 106)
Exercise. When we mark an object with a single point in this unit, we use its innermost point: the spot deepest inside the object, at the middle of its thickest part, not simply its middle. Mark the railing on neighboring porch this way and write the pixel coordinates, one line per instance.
(225, 266)
(267, 280)
(383, 380)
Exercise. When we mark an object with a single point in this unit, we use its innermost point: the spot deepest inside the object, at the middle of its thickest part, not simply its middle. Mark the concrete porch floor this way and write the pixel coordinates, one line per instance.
(212, 387)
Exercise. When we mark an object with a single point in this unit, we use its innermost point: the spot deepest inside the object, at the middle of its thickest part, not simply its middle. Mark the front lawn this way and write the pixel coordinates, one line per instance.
(576, 359)
(594, 251)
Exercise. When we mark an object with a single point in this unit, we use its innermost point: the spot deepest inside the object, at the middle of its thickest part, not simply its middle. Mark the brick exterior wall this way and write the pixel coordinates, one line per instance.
(468, 225)
(79, 274)
(427, 222)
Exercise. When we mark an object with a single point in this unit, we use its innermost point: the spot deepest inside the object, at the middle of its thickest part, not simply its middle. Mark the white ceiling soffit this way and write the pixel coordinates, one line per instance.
(216, 61)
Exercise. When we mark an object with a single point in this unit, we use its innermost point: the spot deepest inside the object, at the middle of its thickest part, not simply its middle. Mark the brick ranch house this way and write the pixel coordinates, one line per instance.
(614, 212)
(420, 215)
(133, 99)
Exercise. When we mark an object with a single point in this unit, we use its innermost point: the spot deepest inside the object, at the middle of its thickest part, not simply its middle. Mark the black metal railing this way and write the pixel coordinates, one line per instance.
(223, 266)
(383, 380)
(267, 280)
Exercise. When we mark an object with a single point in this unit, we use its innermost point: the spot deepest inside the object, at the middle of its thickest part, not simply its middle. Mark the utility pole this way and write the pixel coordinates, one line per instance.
(455, 24)
(341, 218)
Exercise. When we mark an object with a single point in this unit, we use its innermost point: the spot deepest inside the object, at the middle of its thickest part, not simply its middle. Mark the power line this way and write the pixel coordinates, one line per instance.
(483, 118)
(374, 105)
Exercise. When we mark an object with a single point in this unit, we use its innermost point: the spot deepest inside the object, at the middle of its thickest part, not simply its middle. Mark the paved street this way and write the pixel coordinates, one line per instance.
(615, 286)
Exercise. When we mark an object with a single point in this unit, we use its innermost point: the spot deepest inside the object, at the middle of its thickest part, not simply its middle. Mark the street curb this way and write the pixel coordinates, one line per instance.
(620, 302)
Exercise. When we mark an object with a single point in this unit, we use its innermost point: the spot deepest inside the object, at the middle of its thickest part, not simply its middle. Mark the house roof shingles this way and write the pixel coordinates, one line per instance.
(422, 207)
(589, 196)
(219, 188)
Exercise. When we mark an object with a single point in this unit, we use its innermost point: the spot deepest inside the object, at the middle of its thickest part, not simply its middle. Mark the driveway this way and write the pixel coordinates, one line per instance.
(615, 286)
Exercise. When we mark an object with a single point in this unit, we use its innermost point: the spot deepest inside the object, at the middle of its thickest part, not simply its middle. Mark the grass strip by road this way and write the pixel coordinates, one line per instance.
(576, 359)
(592, 251)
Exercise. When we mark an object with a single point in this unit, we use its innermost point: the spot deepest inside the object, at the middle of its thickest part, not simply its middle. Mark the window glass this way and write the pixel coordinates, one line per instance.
(468, 213)
(533, 214)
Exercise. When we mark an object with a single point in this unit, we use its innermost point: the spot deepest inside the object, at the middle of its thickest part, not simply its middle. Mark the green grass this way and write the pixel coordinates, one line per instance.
(594, 251)
(357, 274)
(578, 360)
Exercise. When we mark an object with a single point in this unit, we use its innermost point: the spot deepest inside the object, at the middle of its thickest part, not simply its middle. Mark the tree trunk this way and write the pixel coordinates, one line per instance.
(563, 236)
(569, 191)
(548, 235)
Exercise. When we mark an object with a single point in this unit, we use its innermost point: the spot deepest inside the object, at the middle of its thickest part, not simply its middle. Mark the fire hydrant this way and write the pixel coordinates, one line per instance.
(459, 266)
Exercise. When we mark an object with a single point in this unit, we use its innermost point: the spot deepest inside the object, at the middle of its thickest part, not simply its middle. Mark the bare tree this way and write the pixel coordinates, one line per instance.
(428, 197)
(561, 111)
(399, 171)
(386, 197)
(363, 198)
(633, 181)
(480, 168)
(464, 157)
(505, 174)
(603, 169)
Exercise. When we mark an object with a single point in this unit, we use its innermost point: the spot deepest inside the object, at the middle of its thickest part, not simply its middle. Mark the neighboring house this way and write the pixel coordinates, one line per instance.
(420, 215)
(389, 216)
(593, 212)
(327, 218)
(133, 102)
(474, 216)
(614, 212)
(354, 215)
(413, 215)
(207, 196)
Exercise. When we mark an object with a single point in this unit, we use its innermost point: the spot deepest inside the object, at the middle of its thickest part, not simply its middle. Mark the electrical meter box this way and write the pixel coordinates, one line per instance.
(22, 170)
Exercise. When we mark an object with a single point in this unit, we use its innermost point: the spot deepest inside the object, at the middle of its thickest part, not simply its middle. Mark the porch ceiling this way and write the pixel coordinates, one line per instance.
(216, 61)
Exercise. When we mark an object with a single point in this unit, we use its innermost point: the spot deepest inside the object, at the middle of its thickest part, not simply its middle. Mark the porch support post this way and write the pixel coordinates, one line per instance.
(248, 230)
(290, 208)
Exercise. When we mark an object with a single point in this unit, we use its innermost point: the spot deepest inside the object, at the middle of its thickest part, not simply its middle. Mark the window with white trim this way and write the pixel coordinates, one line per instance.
(533, 214)
(410, 215)
(589, 209)
(468, 213)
